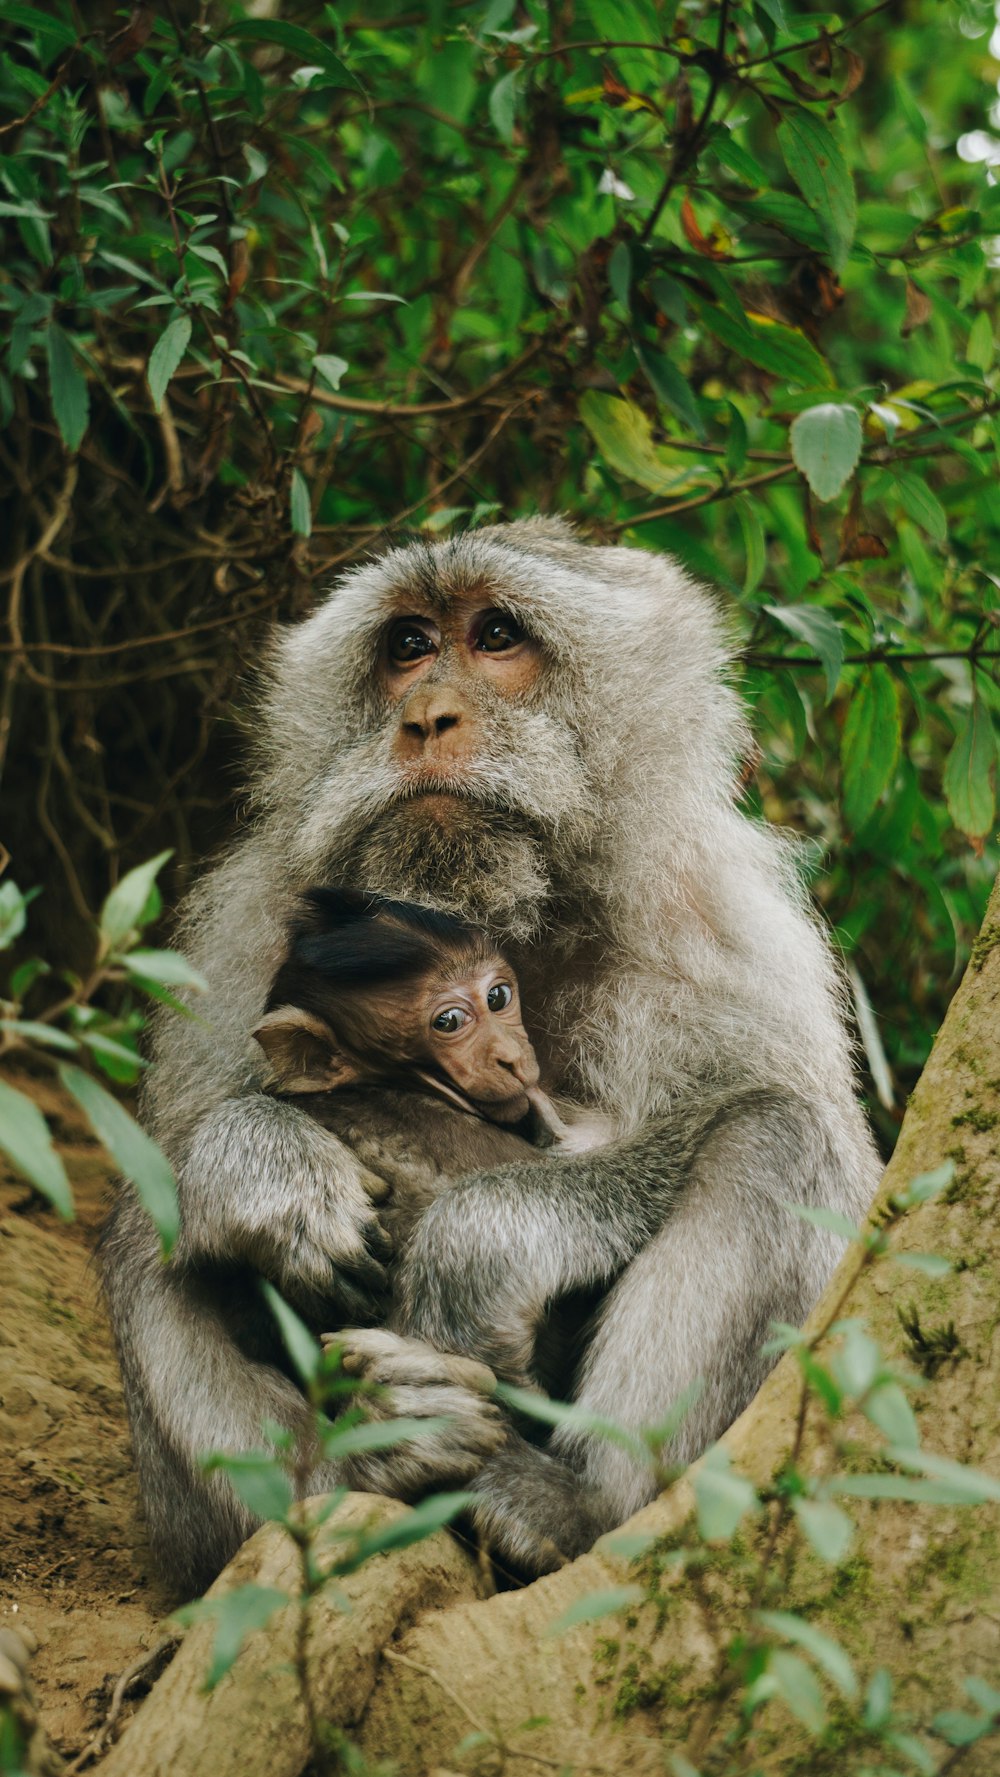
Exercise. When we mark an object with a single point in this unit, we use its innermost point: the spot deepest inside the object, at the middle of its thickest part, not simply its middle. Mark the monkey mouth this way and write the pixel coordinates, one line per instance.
(505, 1110)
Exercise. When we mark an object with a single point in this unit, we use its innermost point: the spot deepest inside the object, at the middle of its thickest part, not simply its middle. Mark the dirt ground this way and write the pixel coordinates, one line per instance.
(73, 1562)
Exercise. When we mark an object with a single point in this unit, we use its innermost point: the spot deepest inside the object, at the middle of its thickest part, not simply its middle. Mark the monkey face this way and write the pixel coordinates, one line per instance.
(475, 1039)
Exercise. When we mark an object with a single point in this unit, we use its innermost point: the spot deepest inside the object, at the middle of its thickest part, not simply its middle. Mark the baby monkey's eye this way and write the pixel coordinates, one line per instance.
(499, 996)
(452, 1019)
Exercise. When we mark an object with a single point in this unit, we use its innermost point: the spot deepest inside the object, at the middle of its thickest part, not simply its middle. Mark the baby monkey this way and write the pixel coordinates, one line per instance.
(399, 1028)
(388, 994)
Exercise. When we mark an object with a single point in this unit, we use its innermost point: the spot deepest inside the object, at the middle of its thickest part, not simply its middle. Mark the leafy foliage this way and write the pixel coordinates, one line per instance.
(714, 278)
(70, 1019)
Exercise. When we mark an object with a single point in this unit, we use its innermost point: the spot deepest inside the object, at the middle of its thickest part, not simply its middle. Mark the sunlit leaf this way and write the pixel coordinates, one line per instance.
(27, 1142)
(131, 1149)
(821, 1647)
(623, 435)
(723, 1497)
(237, 1615)
(826, 444)
(594, 1605)
(124, 910)
(827, 1528)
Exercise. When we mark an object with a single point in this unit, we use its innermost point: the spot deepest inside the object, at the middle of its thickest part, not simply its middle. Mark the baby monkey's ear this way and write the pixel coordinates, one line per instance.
(304, 1053)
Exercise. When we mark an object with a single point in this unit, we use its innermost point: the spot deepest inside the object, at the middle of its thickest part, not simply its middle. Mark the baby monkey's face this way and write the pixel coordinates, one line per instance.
(459, 1028)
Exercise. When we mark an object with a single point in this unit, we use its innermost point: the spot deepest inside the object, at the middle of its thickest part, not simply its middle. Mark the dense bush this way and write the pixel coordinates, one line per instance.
(714, 278)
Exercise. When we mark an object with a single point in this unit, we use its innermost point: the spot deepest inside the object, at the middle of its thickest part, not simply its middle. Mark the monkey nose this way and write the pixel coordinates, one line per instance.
(522, 1065)
(431, 713)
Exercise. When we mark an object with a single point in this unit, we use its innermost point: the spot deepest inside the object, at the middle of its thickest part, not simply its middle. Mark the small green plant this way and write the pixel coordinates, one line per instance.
(738, 1549)
(55, 1018)
(272, 1480)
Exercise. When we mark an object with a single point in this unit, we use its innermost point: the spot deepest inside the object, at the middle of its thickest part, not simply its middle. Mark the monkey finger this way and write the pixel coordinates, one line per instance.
(377, 1188)
(360, 1297)
(378, 1241)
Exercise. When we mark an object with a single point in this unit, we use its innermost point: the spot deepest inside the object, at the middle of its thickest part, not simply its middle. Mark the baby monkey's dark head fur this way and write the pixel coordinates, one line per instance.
(375, 991)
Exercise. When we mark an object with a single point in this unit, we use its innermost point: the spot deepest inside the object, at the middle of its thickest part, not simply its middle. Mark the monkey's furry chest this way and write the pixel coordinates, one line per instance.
(418, 1144)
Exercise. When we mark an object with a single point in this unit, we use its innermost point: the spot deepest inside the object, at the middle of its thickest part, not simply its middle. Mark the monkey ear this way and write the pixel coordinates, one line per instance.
(303, 1051)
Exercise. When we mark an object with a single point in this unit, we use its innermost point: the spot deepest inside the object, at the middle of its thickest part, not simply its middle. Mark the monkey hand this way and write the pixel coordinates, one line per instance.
(410, 1380)
(266, 1184)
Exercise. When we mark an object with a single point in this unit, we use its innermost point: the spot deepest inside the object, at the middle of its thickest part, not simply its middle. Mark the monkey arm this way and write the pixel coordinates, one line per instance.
(264, 1184)
(492, 1252)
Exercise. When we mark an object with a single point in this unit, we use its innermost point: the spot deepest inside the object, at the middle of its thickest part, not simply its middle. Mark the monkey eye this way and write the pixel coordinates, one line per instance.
(499, 633)
(408, 641)
(451, 1019)
(499, 996)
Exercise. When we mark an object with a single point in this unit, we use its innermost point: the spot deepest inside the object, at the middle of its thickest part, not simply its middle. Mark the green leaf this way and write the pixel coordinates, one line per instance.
(723, 1498)
(960, 1729)
(503, 105)
(980, 349)
(258, 1478)
(929, 1264)
(166, 356)
(236, 1615)
(167, 967)
(131, 1150)
(304, 1351)
(624, 437)
(27, 1142)
(420, 1522)
(797, 1686)
(816, 162)
(970, 772)
(970, 1485)
(670, 387)
(583, 1419)
(594, 1605)
(869, 745)
(888, 1408)
(829, 1530)
(13, 912)
(857, 1361)
(330, 368)
(68, 388)
(826, 445)
(832, 1220)
(821, 632)
(784, 351)
(376, 1434)
(48, 1036)
(300, 507)
(921, 505)
(754, 544)
(44, 24)
(927, 1185)
(123, 911)
(827, 1653)
(299, 42)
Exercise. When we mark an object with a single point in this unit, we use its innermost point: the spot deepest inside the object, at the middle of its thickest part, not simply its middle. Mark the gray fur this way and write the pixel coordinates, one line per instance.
(672, 976)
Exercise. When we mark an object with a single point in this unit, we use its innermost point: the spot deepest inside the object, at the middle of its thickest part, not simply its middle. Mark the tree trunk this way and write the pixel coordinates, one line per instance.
(483, 1683)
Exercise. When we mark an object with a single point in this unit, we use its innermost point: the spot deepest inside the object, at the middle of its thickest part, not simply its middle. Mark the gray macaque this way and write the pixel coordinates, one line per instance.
(537, 735)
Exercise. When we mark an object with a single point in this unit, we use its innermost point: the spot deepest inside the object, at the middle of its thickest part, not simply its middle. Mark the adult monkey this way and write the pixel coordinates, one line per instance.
(537, 734)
